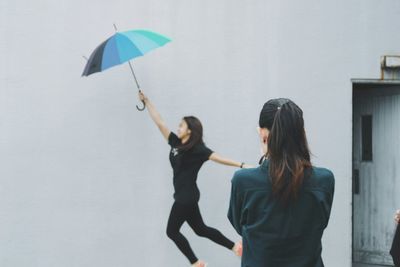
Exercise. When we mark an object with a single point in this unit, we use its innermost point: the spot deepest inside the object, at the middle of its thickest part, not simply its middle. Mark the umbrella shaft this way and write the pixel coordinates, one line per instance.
(134, 76)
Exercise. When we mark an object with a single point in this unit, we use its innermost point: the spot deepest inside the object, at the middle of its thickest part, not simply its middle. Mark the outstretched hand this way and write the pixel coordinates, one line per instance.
(142, 96)
(248, 166)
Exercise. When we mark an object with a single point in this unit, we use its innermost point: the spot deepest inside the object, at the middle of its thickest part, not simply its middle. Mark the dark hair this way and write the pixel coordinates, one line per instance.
(288, 152)
(196, 135)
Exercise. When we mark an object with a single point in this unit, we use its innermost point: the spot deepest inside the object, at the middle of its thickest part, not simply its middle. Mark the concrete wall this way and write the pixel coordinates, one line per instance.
(85, 179)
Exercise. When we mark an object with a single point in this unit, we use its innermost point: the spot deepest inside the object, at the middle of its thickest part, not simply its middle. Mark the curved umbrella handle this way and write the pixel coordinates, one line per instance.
(141, 109)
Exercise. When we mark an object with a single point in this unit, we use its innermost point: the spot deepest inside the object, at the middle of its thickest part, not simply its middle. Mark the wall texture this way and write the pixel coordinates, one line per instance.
(85, 178)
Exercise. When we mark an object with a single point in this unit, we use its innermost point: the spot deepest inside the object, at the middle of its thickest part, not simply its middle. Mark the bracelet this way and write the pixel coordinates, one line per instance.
(241, 165)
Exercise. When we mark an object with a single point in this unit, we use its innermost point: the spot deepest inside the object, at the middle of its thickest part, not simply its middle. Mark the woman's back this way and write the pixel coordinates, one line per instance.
(278, 235)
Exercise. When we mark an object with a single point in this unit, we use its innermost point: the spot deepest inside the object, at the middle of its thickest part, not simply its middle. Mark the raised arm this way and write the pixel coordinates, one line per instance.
(225, 161)
(155, 116)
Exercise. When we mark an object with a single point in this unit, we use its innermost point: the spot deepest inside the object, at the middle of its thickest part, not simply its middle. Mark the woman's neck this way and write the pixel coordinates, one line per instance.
(185, 139)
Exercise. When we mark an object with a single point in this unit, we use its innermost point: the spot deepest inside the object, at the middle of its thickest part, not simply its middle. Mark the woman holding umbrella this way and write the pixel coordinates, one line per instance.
(187, 155)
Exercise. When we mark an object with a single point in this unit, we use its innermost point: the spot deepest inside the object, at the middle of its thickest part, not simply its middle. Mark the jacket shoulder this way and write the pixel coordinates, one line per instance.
(248, 178)
(322, 178)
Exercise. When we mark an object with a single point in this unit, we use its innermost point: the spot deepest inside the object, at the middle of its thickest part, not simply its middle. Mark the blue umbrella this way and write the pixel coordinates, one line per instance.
(121, 48)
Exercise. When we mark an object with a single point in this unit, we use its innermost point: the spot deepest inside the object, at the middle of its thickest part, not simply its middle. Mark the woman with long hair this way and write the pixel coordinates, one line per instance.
(282, 207)
(187, 155)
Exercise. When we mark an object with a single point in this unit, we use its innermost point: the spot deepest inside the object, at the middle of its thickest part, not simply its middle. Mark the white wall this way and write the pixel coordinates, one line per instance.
(85, 178)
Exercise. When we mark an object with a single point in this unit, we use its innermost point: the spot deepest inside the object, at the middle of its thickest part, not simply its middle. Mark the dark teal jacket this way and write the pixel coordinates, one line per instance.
(278, 236)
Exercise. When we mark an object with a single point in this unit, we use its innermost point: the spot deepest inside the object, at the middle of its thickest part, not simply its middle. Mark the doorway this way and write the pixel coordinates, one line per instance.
(376, 169)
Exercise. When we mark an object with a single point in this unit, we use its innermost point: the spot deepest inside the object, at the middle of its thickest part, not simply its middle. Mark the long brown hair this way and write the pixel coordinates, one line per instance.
(196, 135)
(288, 152)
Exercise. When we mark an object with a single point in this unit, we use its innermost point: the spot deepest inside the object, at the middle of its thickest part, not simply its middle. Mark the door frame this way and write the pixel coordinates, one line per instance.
(360, 84)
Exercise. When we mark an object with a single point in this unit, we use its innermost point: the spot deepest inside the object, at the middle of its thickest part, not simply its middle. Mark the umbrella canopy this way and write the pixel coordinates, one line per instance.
(122, 47)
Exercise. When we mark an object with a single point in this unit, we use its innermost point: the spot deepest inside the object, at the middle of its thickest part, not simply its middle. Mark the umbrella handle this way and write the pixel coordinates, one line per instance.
(141, 109)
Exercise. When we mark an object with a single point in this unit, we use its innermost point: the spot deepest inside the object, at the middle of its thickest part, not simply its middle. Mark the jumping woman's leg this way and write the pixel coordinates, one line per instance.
(196, 223)
(176, 218)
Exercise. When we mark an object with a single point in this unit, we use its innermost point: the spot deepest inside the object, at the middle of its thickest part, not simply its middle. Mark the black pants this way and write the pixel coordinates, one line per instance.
(191, 214)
